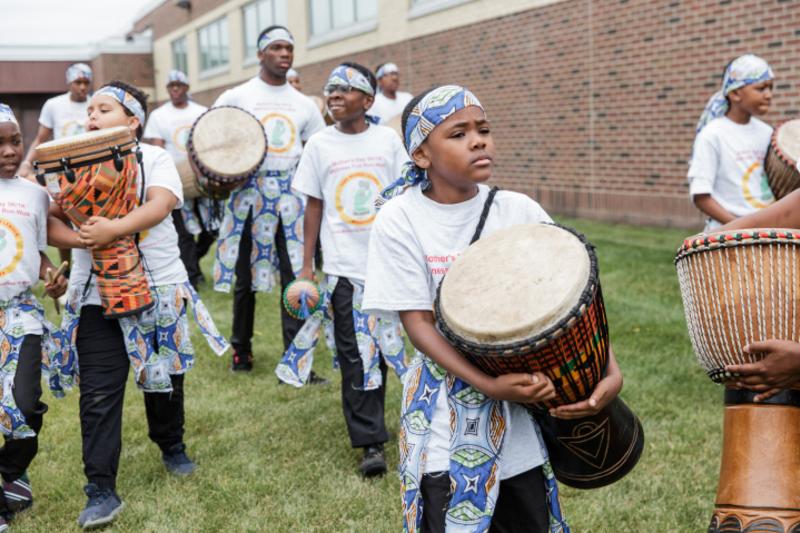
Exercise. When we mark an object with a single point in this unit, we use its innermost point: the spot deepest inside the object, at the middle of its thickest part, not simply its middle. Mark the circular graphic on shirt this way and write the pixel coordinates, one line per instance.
(756, 179)
(281, 132)
(180, 136)
(72, 127)
(355, 198)
(11, 247)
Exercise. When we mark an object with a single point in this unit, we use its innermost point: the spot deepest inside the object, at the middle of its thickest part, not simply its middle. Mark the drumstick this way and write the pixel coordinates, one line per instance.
(50, 278)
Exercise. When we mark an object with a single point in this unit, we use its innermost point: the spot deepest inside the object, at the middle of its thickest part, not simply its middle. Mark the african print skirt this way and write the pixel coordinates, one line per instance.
(157, 340)
(376, 338)
(202, 214)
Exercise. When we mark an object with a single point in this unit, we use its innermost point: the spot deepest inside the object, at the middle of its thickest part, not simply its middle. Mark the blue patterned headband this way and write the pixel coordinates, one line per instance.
(177, 76)
(7, 115)
(387, 68)
(278, 34)
(344, 76)
(744, 70)
(433, 109)
(78, 71)
(126, 99)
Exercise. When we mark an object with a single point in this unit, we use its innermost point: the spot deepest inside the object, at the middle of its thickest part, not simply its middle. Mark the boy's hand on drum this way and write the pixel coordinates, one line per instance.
(522, 388)
(97, 232)
(778, 370)
(605, 391)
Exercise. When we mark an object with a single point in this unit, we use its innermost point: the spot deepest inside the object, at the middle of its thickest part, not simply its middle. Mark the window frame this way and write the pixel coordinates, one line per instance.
(333, 34)
(220, 26)
(421, 8)
(177, 65)
(250, 42)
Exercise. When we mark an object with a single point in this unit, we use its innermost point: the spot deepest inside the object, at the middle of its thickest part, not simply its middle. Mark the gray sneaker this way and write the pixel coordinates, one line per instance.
(102, 507)
(177, 462)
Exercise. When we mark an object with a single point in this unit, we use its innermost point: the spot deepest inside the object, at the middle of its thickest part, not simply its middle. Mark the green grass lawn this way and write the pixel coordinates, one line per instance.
(274, 458)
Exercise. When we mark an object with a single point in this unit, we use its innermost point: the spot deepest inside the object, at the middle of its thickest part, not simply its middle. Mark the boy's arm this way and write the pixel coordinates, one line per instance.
(59, 234)
(780, 368)
(712, 208)
(784, 213)
(524, 388)
(311, 224)
(98, 232)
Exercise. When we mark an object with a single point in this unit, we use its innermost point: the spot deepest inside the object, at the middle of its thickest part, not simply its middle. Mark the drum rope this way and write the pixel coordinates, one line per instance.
(716, 350)
(688, 307)
(747, 319)
(776, 321)
(700, 340)
(730, 301)
(758, 287)
(794, 298)
(719, 307)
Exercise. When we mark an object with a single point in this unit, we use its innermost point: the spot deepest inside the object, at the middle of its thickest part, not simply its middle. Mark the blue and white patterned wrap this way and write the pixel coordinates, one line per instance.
(126, 99)
(277, 34)
(7, 115)
(345, 76)
(157, 340)
(78, 71)
(386, 68)
(12, 334)
(744, 70)
(202, 214)
(376, 337)
(269, 196)
(177, 76)
(433, 109)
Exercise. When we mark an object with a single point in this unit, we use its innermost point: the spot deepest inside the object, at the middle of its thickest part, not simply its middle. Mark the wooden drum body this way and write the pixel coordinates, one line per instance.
(95, 174)
(526, 299)
(781, 162)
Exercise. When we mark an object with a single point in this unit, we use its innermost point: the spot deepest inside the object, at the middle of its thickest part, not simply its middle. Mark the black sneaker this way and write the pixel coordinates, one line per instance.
(177, 462)
(316, 379)
(18, 494)
(102, 507)
(374, 462)
(242, 361)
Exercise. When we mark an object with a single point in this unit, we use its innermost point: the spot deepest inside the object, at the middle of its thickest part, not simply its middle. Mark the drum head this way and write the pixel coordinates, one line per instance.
(84, 143)
(787, 139)
(228, 142)
(515, 283)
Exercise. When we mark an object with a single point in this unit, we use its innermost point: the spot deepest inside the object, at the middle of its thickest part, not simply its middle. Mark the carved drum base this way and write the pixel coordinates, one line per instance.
(738, 520)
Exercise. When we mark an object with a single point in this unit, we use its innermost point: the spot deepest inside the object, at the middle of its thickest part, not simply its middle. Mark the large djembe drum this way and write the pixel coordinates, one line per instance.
(739, 287)
(226, 147)
(95, 174)
(526, 299)
(781, 162)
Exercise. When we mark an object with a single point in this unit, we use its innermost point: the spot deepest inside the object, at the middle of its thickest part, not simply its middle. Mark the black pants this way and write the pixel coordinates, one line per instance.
(521, 506)
(16, 454)
(192, 251)
(363, 410)
(104, 372)
(244, 299)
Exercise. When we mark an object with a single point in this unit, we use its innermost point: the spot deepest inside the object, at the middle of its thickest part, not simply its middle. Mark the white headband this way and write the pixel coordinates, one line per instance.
(278, 34)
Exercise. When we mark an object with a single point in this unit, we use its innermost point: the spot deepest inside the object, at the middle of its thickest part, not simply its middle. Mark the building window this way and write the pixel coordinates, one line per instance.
(179, 60)
(420, 8)
(213, 43)
(331, 15)
(256, 16)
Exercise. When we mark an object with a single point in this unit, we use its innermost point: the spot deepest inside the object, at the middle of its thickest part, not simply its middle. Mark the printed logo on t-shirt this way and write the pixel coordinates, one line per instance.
(71, 127)
(180, 137)
(755, 186)
(281, 132)
(355, 198)
(11, 247)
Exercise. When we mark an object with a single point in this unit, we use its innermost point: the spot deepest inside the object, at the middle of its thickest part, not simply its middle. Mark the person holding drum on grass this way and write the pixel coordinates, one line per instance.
(168, 127)
(154, 341)
(432, 211)
(25, 334)
(726, 174)
(262, 228)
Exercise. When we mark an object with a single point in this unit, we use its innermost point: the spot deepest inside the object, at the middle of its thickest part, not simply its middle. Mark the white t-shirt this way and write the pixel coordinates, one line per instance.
(172, 125)
(347, 172)
(64, 116)
(414, 241)
(386, 108)
(23, 234)
(159, 244)
(728, 163)
(289, 118)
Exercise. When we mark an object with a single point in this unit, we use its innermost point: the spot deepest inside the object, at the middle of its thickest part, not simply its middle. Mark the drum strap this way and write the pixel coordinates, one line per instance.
(484, 214)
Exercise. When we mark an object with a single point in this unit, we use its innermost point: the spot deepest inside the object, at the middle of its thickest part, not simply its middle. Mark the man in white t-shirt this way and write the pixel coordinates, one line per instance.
(342, 171)
(262, 228)
(390, 101)
(63, 115)
(169, 127)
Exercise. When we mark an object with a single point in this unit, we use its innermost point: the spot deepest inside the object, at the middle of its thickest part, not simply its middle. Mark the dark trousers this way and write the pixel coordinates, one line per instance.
(244, 299)
(191, 251)
(521, 506)
(16, 454)
(104, 372)
(363, 410)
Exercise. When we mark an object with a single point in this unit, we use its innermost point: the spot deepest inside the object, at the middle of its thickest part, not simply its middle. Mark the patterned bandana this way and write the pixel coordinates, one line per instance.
(434, 108)
(278, 34)
(344, 76)
(176, 76)
(387, 68)
(7, 115)
(744, 70)
(78, 71)
(126, 99)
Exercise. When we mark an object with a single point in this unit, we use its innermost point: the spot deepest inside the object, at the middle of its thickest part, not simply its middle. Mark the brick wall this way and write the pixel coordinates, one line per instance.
(167, 16)
(594, 102)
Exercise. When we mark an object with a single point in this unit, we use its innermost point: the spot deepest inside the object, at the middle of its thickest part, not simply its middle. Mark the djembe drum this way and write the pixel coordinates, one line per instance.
(780, 165)
(528, 299)
(95, 174)
(739, 287)
(226, 146)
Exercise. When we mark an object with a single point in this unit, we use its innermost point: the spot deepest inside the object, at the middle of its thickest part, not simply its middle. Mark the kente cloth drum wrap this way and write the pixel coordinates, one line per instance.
(781, 162)
(739, 287)
(95, 174)
(227, 146)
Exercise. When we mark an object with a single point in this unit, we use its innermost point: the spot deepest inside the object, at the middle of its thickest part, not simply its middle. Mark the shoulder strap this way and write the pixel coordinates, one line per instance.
(484, 214)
